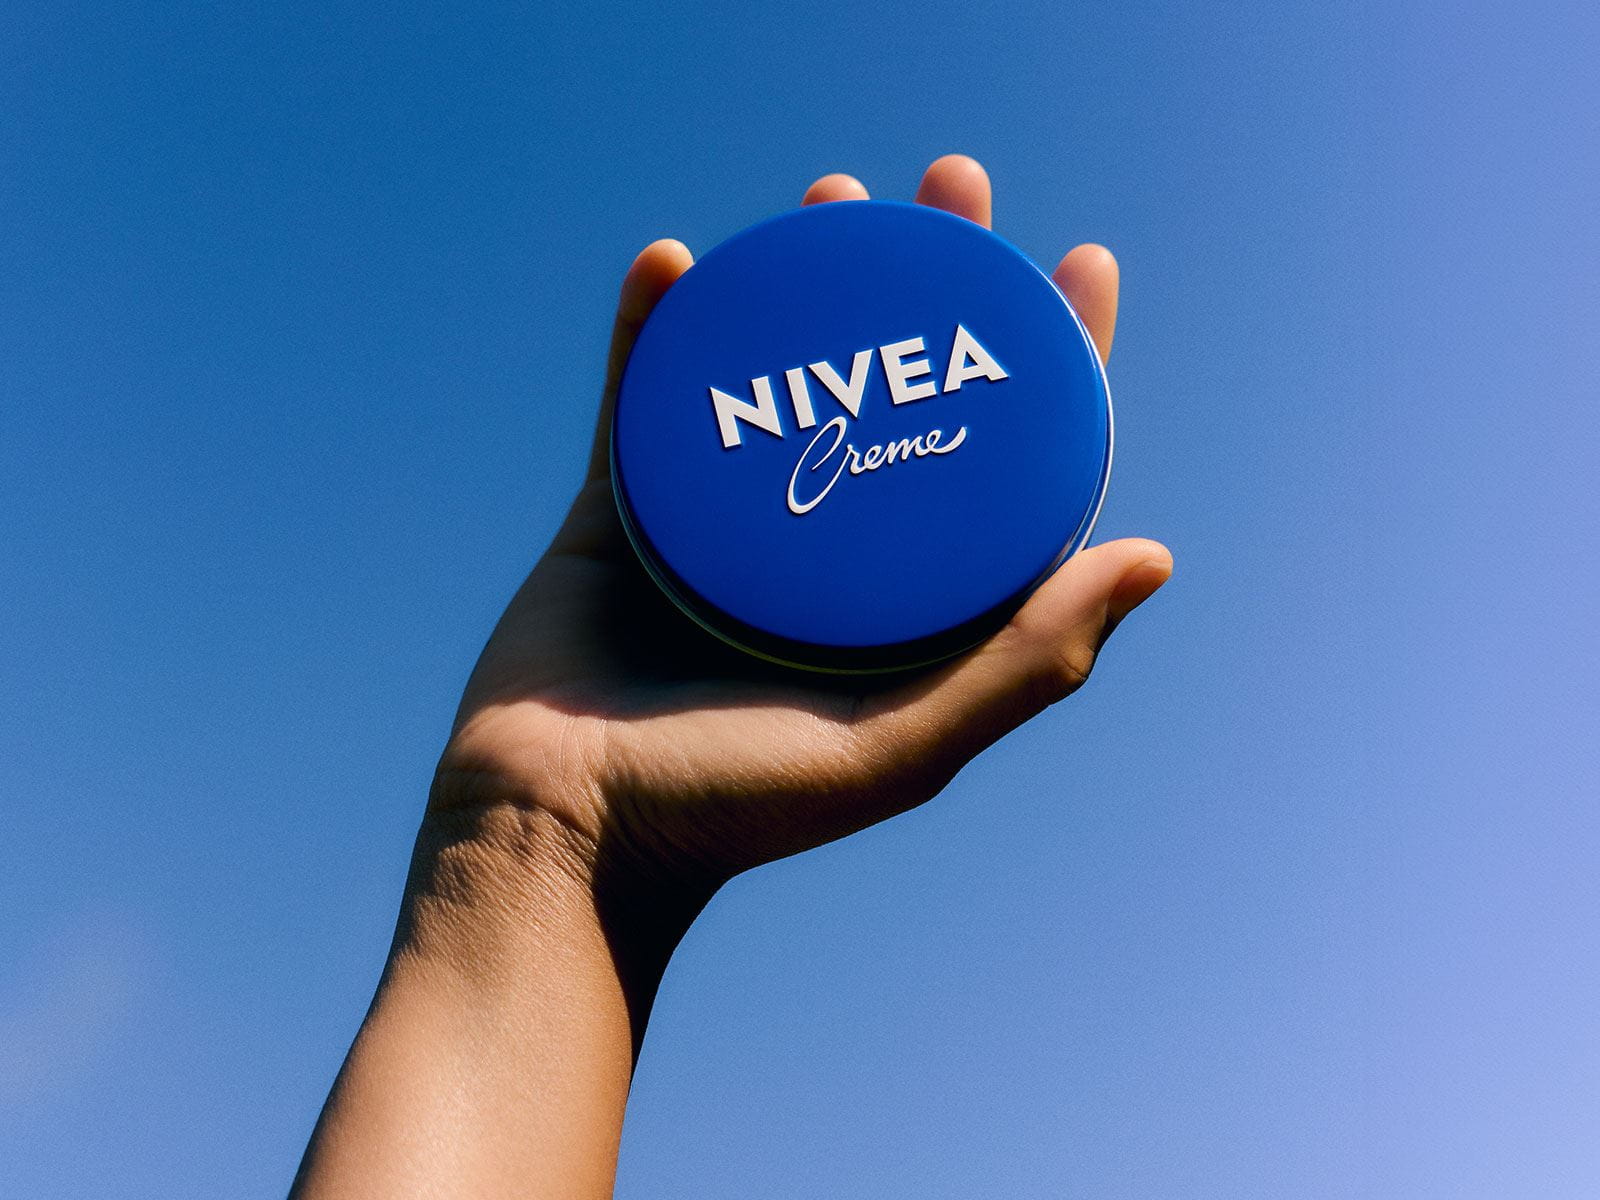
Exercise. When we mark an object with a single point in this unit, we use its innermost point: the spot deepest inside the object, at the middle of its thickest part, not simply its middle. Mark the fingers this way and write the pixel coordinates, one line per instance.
(956, 183)
(1088, 277)
(935, 725)
(654, 271)
(834, 187)
(959, 185)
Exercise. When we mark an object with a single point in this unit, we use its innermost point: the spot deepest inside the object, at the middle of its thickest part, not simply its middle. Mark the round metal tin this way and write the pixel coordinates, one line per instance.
(856, 436)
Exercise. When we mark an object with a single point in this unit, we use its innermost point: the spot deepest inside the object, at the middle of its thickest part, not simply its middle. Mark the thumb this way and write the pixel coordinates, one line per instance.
(1044, 654)
(1060, 630)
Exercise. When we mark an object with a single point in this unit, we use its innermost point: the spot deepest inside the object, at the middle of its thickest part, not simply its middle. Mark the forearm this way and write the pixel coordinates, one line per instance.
(496, 1057)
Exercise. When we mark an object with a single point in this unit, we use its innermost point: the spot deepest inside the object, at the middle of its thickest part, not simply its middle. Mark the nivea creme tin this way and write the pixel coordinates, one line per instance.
(855, 437)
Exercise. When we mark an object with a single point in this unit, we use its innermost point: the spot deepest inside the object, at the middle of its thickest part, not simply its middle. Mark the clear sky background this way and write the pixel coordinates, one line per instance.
(302, 315)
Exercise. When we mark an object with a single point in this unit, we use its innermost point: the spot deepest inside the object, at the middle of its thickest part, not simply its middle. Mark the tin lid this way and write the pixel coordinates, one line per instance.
(856, 436)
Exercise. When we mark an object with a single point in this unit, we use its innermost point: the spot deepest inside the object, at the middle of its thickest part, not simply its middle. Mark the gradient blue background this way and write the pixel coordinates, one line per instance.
(302, 312)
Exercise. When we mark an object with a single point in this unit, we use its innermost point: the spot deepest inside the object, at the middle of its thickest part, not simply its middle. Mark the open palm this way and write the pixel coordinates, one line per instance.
(597, 701)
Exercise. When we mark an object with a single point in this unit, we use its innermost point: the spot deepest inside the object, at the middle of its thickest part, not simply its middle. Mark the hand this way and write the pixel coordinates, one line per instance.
(611, 765)
(669, 755)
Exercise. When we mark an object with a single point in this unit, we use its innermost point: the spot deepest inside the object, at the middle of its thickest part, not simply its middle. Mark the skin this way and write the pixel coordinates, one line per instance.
(610, 767)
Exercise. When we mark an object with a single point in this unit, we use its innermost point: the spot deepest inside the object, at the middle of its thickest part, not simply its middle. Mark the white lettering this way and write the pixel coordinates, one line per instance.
(800, 397)
(847, 394)
(903, 448)
(763, 414)
(909, 378)
(796, 506)
(858, 463)
(901, 372)
(966, 349)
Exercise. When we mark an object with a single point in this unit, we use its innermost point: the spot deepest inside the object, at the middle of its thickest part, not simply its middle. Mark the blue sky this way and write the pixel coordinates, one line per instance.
(302, 313)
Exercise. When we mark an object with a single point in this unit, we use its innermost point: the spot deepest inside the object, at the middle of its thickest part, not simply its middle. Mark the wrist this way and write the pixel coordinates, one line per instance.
(486, 880)
(497, 1054)
(500, 864)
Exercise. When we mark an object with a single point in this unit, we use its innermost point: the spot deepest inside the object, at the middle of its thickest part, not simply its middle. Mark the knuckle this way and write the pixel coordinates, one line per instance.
(1072, 664)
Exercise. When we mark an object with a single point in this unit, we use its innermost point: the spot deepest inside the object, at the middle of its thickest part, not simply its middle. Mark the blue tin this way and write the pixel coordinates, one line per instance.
(856, 436)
